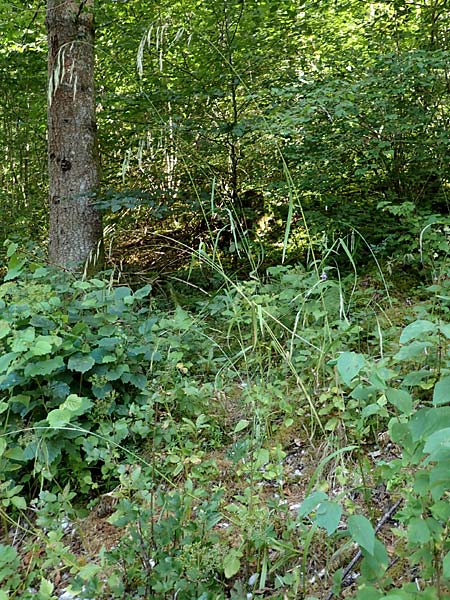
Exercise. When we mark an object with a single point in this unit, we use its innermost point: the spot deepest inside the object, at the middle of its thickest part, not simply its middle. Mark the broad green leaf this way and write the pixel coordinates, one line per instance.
(415, 377)
(412, 350)
(374, 565)
(368, 592)
(12, 247)
(349, 364)
(98, 283)
(5, 328)
(77, 405)
(19, 502)
(82, 285)
(441, 393)
(45, 589)
(446, 566)
(59, 417)
(438, 444)
(428, 420)
(15, 266)
(441, 510)
(108, 343)
(23, 339)
(262, 457)
(416, 329)
(311, 503)
(41, 348)
(122, 292)
(117, 372)
(80, 362)
(7, 359)
(139, 381)
(328, 516)
(17, 454)
(2, 445)
(8, 554)
(418, 531)
(371, 409)
(88, 571)
(401, 399)
(243, 424)
(440, 478)
(73, 402)
(232, 563)
(143, 292)
(181, 319)
(445, 329)
(44, 367)
(362, 532)
(146, 326)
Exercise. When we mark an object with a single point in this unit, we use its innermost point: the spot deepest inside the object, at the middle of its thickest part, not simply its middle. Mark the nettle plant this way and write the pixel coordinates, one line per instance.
(85, 366)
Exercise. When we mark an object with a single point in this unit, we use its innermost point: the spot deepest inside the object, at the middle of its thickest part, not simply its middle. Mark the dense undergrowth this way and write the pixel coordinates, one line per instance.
(281, 437)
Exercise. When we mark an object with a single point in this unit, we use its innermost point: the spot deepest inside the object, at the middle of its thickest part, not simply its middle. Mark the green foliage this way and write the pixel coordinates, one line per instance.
(179, 552)
(266, 131)
(78, 374)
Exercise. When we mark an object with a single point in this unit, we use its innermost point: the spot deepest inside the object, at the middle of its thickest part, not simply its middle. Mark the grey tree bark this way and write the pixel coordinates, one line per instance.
(75, 236)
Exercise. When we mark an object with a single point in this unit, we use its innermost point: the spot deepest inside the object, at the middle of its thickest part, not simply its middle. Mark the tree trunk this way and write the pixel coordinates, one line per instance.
(75, 224)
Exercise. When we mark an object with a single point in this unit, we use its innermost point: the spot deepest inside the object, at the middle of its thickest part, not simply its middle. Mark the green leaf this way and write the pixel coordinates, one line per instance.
(19, 502)
(374, 565)
(311, 503)
(445, 329)
(6, 360)
(5, 328)
(12, 247)
(143, 292)
(243, 423)
(45, 589)
(401, 399)
(412, 350)
(146, 326)
(41, 347)
(418, 531)
(59, 417)
(446, 566)
(349, 364)
(262, 457)
(77, 405)
(438, 444)
(88, 571)
(441, 510)
(8, 554)
(122, 292)
(441, 393)
(416, 329)
(43, 367)
(362, 532)
(73, 402)
(80, 362)
(14, 268)
(232, 563)
(3, 445)
(328, 516)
